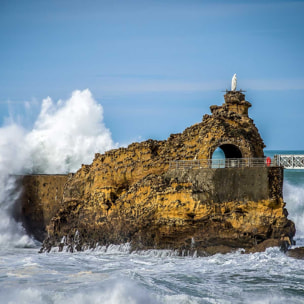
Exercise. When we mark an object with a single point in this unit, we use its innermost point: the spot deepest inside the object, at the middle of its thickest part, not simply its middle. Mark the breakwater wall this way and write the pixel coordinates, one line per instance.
(233, 184)
(40, 200)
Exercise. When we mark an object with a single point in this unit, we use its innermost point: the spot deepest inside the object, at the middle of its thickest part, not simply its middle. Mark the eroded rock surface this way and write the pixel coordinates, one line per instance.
(181, 211)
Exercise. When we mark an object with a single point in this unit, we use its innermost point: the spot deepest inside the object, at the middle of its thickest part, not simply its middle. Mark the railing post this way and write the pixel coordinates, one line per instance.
(292, 161)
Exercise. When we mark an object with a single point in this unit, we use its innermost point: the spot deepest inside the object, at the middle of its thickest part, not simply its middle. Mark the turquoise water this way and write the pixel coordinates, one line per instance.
(114, 275)
(295, 177)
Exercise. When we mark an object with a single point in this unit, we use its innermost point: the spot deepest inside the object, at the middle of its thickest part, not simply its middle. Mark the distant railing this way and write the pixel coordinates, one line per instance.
(290, 161)
(221, 163)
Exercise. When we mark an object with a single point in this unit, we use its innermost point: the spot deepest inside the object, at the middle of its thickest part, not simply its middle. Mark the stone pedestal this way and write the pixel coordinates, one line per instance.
(235, 102)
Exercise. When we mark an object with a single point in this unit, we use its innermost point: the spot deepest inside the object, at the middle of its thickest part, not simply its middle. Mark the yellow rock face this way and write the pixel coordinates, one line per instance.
(181, 210)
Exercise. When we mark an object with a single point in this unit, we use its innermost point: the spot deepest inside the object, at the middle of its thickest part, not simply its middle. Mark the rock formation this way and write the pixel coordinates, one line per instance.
(131, 195)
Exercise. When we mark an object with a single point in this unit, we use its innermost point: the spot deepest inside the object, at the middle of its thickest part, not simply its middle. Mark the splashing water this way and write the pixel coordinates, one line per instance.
(121, 277)
(294, 198)
(12, 234)
(65, 135)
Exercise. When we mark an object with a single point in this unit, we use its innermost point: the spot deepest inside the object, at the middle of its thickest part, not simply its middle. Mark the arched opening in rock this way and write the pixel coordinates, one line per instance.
(222, 153)
(231, 151)
(218, 154)
(227, 151)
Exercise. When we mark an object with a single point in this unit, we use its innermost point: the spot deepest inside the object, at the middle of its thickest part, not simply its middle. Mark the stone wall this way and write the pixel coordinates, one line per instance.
(234, 184)
(40, 200)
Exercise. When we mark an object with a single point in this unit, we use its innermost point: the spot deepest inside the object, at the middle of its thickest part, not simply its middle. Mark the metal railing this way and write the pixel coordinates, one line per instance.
(290, 161)
(221, 163)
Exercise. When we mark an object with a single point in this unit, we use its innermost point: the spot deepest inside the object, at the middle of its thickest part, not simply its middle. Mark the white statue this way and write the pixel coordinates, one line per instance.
(233, 83)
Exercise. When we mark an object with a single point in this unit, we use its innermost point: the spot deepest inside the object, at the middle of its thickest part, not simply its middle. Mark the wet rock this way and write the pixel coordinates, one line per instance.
(296, 253)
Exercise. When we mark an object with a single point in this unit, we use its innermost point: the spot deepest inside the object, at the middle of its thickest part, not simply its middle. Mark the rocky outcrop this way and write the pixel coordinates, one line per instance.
(192, 210)
(130, 195)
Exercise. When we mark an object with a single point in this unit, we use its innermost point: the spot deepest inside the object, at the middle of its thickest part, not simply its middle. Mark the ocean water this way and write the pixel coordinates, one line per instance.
(115, 275)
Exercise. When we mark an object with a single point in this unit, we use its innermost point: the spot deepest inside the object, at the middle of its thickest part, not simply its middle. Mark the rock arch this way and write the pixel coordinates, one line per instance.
(230, 151)
(230, 129)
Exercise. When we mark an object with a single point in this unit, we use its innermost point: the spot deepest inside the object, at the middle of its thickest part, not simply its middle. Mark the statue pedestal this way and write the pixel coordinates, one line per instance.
(235, 102)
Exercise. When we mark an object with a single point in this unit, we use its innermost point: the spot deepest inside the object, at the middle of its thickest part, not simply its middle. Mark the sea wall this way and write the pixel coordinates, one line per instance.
(233, 184)
(40, 200)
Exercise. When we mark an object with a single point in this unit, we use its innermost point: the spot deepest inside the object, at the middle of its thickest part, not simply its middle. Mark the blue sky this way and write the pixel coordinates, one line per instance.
(156, 66)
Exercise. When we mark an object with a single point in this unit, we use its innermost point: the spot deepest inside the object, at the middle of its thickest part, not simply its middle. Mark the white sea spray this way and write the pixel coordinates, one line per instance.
(294, 198)
(66, 134)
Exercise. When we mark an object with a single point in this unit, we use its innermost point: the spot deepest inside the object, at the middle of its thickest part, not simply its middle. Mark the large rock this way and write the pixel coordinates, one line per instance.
(132, 195)
(193, 210)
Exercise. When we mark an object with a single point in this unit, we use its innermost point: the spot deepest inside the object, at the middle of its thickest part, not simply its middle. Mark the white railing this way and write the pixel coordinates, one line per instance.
(221, 163)
(290, 161)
